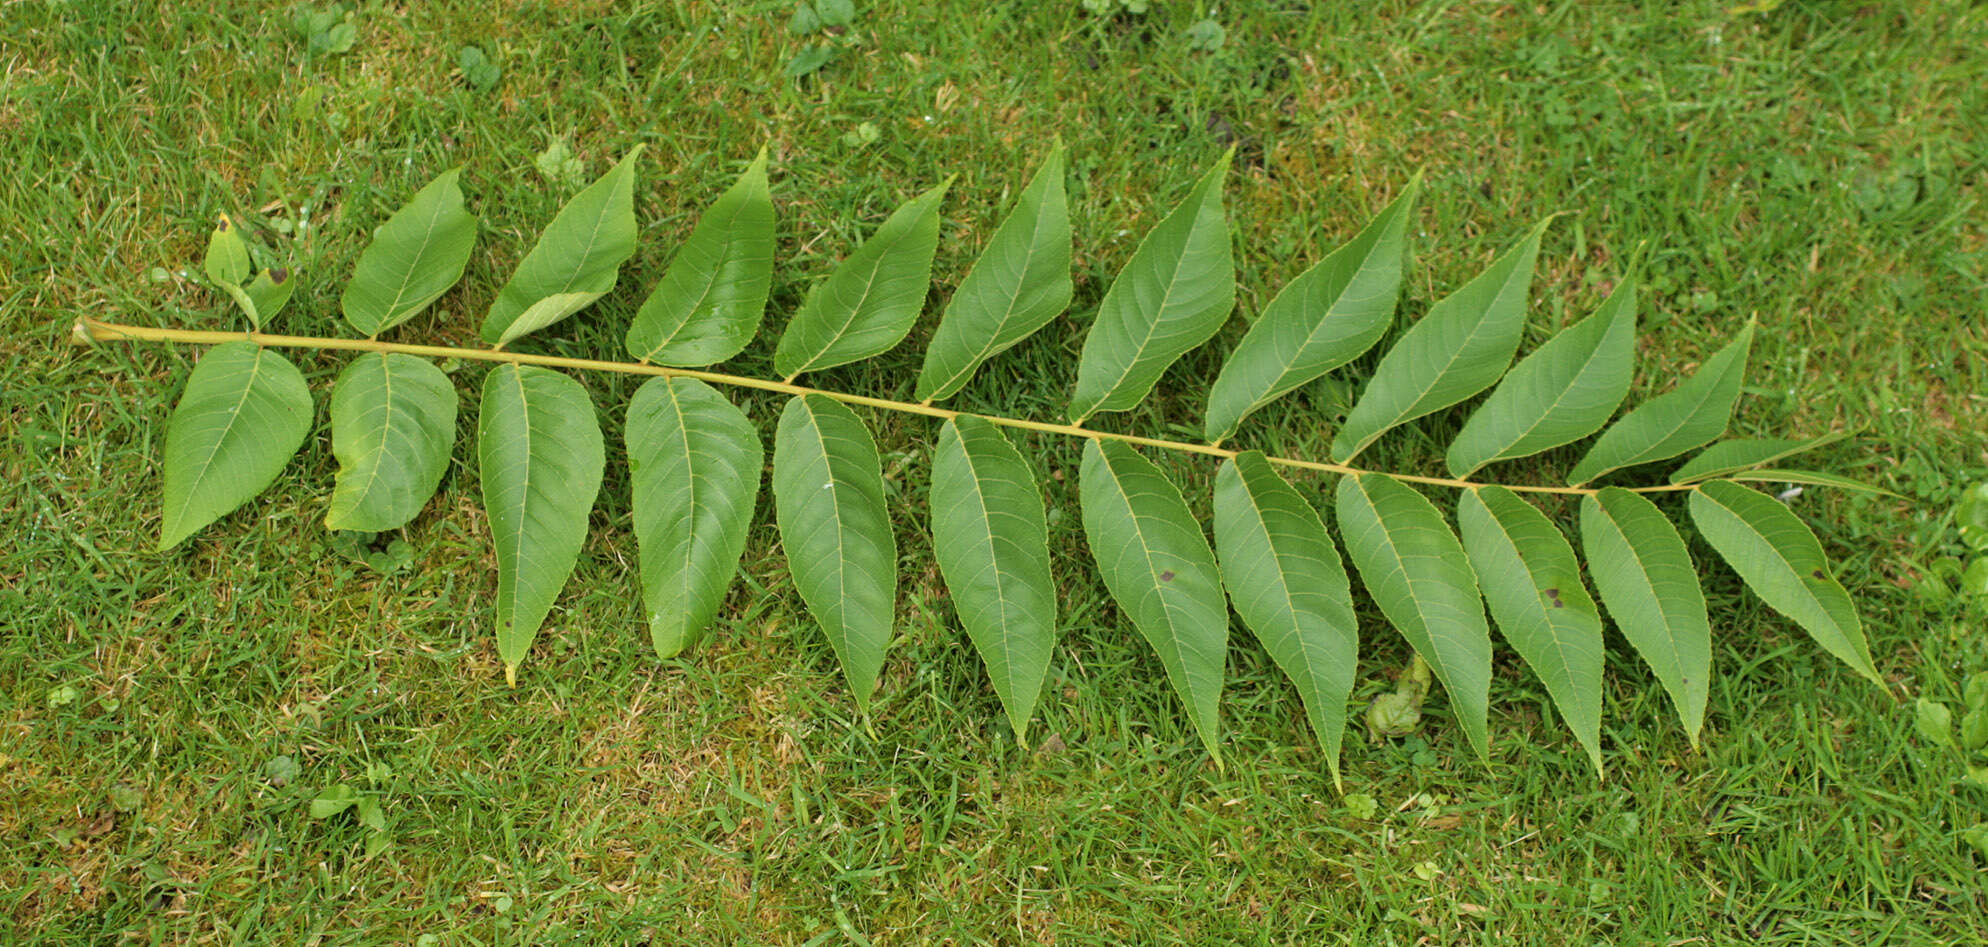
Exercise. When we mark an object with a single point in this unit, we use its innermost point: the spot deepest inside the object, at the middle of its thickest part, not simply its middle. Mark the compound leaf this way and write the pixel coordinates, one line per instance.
(1564, 391)
(1171, 296)
(693, 462)
(1782, 562)
(869, 303)
(1289, 586)
(1326, 317)
(393, 427)
(575, 261)
(540, 458)
(243, 415)
(1730, 457)
(1157, 564)
(1020, 283)
(1533, 584)
(990, 534)
(1646, 579)
(710, 300)
(828, 491)
(1419, 575)
(413, 259)
(1693, 414)
(1456, 350)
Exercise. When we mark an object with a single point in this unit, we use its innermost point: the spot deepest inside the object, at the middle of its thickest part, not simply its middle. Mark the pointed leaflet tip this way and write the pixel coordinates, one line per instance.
(871, 298)
(540, 455)
(1649, 587)
(1287, 582)
(711, 299)
(829, 506)
(1561, 392)
(576, 259)
(1461, 346)
(991, 538)
(1338, 308)
(1634, 267)
(1018, 284)
(1694, 413)
(1169, 298)
(757, 166)
(1782, 561)
(414, 257)
(1417, 571)
(1413, 189)
(1139, 526)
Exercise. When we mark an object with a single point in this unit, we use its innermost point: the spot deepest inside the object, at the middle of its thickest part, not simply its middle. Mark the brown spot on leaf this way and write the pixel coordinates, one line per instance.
(1819, 576)
(278, 274)
(1166, 576)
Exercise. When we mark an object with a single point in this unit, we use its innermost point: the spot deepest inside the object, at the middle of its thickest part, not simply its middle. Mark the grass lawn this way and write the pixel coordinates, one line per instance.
(165, 720)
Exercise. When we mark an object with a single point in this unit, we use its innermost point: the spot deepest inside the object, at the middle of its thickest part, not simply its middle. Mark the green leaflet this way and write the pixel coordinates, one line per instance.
(268, 293)
(869, 303)
(1290, 588)
(540, 457)
(1645, 577)
(549, 310)
(393, 426)
(1326, 317)
(693, 462)
(1808, 477)
(227, 261)
(991, 536)
(828, 491)
(1462, 345)
(1020, 283)
(575, 261)
(243, 415)
(414, 258)
(710, 300)
(1533, 584)
(1730, 457)
(1418, 574)
(1564, 391)
(1774, 551)
(1156, 563)
(1171, 296)
(1693, 414)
